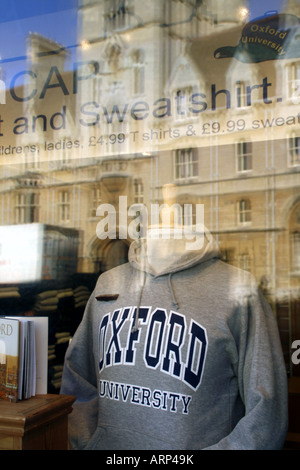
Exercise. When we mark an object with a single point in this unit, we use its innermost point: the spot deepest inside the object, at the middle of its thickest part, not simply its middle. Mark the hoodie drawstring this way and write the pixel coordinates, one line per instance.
(135, 326)
(172, 293)
(175, 303)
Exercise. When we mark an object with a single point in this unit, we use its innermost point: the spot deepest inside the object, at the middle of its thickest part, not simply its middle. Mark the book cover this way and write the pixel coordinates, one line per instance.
(23, 357)
(9, 358)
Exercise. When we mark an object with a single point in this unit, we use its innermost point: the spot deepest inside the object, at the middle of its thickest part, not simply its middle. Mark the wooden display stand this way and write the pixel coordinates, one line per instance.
(39, 423)
(293, 435)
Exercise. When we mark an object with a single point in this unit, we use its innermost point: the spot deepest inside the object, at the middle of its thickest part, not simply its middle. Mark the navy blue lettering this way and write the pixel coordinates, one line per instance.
(146, 394)
(134, 335)
(135, 394)
(154, 341)
(102, 388)
(156, 399)
(196, 355)
(102, 334)
(173, 397)
(125, 392)
(114, 341)
(174, 345)
(166, 343)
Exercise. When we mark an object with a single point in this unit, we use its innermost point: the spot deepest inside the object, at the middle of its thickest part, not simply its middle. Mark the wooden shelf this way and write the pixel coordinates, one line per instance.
(293, 435)
(39, 423)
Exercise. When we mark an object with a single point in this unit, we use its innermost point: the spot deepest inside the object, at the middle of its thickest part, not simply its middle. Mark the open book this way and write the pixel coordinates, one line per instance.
(23, 357)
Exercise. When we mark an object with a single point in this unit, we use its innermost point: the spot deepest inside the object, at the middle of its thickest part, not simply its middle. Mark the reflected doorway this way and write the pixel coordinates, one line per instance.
(110, 254)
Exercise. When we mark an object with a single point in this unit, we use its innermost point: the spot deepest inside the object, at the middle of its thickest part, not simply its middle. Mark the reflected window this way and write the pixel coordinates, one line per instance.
(27, 208)
(189, 214)
(64, 206)
(118, 14)
(244, 211)
(95, 200)
(244, 261)
(293, 82)
(116, 254)
(33, 163)
(294, 151)
(138, 189)
(186, 164)
(244, 156)
(182, 98)
(241, 94)
(111, 255)
(138, 73)
(296, 252)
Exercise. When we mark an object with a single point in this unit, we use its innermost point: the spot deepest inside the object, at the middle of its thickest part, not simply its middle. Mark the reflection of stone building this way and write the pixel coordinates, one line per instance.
(245, 172)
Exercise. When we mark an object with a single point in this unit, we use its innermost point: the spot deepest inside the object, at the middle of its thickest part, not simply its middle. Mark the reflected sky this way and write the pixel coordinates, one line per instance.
(54, 19)
(260, 7)
(57, 20)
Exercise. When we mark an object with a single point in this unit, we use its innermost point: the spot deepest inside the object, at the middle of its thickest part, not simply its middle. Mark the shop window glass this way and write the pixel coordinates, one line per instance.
(106, 103)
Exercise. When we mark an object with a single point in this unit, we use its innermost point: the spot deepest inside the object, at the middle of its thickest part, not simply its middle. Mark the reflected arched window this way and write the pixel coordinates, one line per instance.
(112, 254)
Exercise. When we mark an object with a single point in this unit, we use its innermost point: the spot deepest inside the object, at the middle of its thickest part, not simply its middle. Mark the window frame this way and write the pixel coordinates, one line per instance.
(244, 212)
(190, 159)
(244, 159)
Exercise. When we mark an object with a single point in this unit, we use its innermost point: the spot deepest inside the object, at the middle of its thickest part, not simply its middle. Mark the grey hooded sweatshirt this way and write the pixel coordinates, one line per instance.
(189, 358)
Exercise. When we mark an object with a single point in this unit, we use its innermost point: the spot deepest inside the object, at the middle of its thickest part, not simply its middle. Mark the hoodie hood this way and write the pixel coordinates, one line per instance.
(181, 259)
